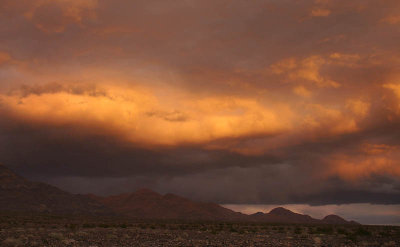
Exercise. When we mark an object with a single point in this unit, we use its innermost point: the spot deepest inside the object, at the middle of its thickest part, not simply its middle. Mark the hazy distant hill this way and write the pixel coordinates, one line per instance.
(20, 194)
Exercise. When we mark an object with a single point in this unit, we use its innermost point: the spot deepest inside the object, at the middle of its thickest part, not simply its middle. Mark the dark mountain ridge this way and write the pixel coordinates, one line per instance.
(283, 215)
(148, 204)
(18, 194)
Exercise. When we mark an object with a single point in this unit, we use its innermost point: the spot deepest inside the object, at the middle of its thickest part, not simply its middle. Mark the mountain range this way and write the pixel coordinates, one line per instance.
(18, 194)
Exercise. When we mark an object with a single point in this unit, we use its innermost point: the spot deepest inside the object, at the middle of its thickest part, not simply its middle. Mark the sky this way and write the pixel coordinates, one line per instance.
(236, 102)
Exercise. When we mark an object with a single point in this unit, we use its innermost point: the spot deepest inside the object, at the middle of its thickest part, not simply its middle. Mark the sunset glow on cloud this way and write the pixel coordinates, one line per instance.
(187, 96)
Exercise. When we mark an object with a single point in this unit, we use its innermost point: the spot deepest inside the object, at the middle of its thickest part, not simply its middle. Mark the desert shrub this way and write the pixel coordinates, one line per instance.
(12, 242)
(324, 230)
(361, 231)
(87, 225)
(385, 234)
(103, 225)
(265, 227)
(72, 227)
(56, 235)
(81, 234)
(68, 241)
(297, 230)
(111, 236)
(253, 229)
(312, 230)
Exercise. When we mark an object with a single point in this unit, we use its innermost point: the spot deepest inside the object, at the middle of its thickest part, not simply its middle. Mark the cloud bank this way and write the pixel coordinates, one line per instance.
(270, 102)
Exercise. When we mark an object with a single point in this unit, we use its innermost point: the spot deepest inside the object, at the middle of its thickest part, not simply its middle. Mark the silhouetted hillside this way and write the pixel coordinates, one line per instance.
(145, 203)
(22, 195)
(18, 194)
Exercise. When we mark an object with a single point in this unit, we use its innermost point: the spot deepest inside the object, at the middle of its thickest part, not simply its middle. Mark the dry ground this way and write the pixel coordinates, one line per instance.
(45, 230)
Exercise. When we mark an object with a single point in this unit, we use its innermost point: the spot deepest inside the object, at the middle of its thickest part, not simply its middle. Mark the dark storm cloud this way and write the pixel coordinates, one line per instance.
(73, 152)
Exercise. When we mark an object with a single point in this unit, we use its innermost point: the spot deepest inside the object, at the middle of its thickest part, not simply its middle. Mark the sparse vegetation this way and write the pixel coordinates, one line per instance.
(44, 230)
(56, 235)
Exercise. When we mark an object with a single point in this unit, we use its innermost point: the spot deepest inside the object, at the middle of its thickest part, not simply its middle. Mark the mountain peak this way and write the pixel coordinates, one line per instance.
(332, 217)
(147, 204)
(3, 168)
(258, 214)
(145, 191)
(335, 219)
(8, 177)
(173, 196)
(281, 211)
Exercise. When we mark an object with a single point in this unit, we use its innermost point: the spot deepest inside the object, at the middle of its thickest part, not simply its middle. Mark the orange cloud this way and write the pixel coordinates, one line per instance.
(302, 91)
(310, 69)
(393, 19)
(306, 69)
(353, 170)
(331, 121)
(345, 60)
(141, 117)
(319, 12)
(394, 87)
(4, 57)
(372, 159)
(54, 15)
(358, 107)
(377, 149)
(152, 116)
